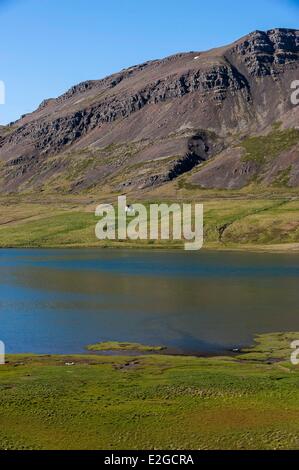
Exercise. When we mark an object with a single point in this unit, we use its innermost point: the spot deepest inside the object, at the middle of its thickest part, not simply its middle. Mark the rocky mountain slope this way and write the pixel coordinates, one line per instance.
(221, 118)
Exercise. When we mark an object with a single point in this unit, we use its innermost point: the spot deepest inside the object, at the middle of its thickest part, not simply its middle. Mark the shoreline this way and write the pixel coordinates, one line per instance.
(167, 352)
(287, 248)
(266, 344)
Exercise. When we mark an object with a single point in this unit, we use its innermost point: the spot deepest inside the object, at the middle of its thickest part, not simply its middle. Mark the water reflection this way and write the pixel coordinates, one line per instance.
(54, 301)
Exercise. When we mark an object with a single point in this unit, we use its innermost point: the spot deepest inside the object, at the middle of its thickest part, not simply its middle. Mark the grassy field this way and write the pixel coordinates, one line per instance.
(123, 346)
(152, 402)
(229, 223)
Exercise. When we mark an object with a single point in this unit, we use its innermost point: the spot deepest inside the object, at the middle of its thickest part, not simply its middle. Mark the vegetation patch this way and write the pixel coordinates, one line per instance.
(260, 149)
(272, 346)
(283, 178)
(241, 223)
(120, 346)
(152, 401)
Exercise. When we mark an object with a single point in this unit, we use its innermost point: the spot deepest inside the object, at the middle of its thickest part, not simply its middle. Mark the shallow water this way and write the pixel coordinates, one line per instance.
(58, 301)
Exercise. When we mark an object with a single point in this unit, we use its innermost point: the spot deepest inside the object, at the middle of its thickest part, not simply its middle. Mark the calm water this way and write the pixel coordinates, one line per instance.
(58, 301)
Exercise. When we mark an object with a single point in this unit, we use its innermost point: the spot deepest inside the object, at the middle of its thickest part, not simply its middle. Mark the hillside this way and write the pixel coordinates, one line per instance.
(216, 126)
(151, 123)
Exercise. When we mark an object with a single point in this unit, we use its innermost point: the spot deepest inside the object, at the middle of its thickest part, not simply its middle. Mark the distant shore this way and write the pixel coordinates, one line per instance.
(273, 248)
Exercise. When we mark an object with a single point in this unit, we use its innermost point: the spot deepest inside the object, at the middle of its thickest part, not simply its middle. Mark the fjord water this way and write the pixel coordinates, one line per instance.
(58, 301)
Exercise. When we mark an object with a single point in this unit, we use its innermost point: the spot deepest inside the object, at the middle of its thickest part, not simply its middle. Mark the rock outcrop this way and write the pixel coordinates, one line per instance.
(162, 118)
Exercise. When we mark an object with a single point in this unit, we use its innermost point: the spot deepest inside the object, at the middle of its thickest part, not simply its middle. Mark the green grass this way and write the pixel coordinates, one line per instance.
(150, 402)
(283, 178)
(59, 229)
(121, 346)
(278, 224)
(228, 224)
(260, 149)
(271, 346)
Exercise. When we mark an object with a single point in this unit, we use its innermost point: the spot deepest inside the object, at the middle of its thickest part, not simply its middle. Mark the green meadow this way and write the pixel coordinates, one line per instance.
(258, 224)
(249, 401)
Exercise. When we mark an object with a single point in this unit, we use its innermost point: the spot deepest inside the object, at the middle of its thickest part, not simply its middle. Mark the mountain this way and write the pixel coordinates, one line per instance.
(217, 119)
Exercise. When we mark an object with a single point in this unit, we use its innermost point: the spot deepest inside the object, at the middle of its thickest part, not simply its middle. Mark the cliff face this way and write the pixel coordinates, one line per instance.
(154, 122)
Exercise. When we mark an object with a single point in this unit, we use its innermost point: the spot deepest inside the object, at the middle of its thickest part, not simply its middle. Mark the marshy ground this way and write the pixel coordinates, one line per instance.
(249, 401)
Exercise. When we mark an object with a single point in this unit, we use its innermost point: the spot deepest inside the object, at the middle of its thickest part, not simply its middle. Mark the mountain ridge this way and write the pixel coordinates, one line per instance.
(154, 122)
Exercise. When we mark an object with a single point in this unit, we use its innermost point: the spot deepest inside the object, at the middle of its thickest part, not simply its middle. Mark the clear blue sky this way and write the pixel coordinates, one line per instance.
(46, 46)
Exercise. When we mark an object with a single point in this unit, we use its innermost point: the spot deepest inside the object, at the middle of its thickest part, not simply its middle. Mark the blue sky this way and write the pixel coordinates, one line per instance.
(46, 46)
